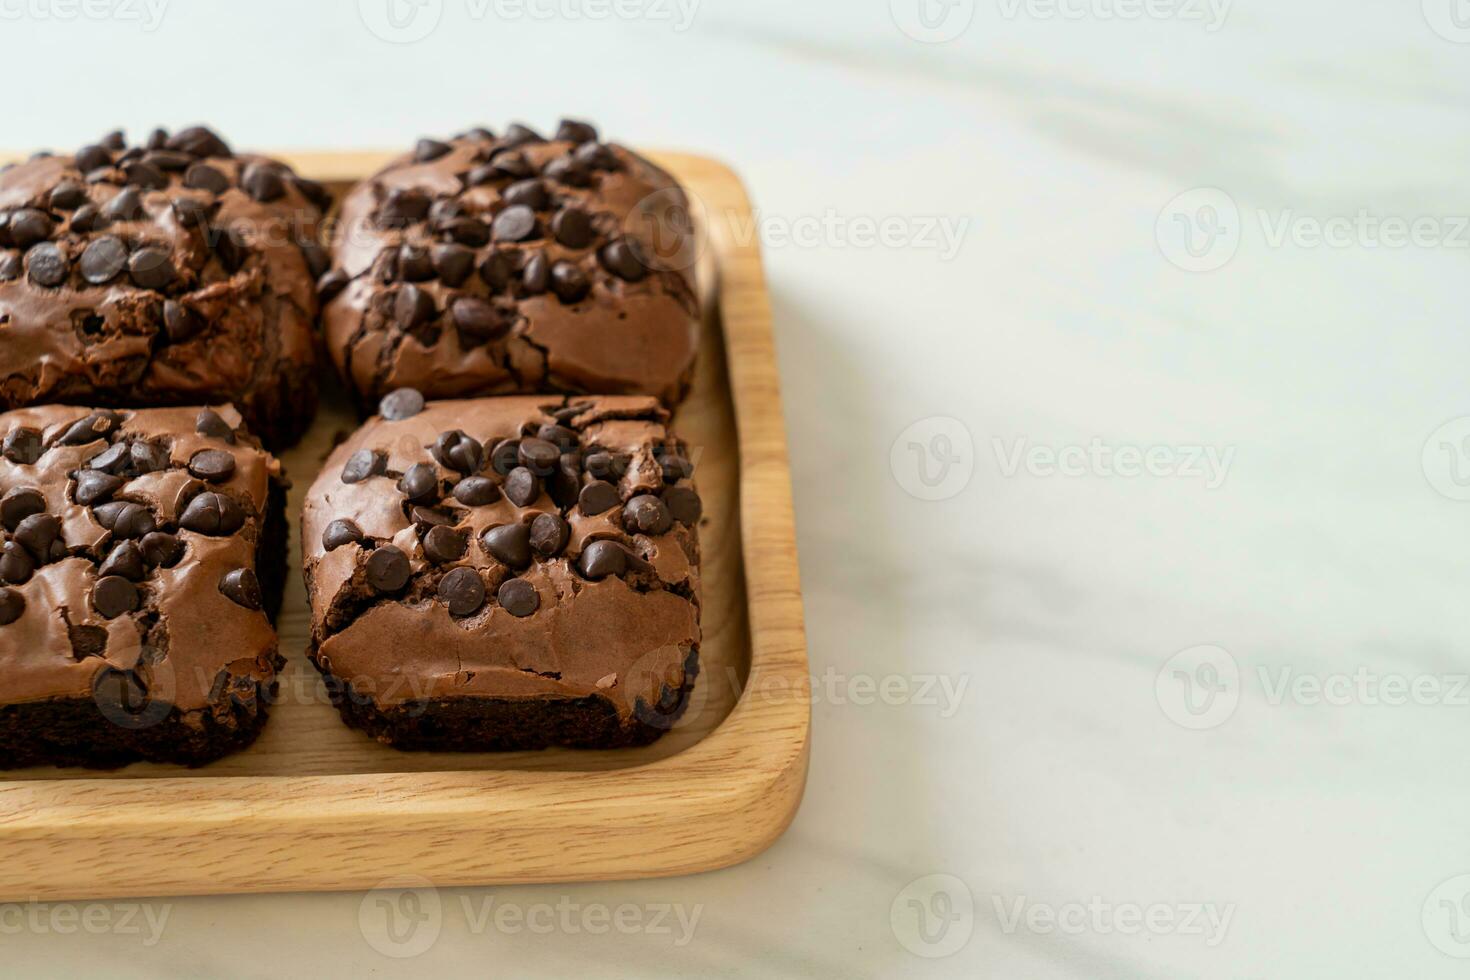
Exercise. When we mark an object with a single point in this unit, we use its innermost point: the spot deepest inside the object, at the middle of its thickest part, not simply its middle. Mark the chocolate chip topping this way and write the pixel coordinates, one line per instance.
(341, 532)
(22, 446)
(509, 544)
(646, 514)
(601, 559)
(456, 451)
(549, 534)
(114, 595)
(572, 228)
(212, 465)
(37, 532)
(125, 560)
(103, 260)
(20, 503)
(161, 550)
(209, 423)
(505, 456)
(12, 606)
(463, 591)
(597, 497)
(242, 588)
(363, 464)
(538, 456)
(213, 514)
(420, 483)
(444, 544)
(515, 224)
(476, 491)
(16, 564)
(181, 322)
(518, 597)
(402, 404)
(152, 268)
(521, 487)
(388, 569)
(125, 519)
(46, 265)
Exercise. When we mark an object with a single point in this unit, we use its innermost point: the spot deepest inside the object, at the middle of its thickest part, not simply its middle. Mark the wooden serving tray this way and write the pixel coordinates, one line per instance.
(314, 805)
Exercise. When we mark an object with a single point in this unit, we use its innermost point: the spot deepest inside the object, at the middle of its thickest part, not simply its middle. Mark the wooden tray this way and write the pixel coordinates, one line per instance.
(317, 806)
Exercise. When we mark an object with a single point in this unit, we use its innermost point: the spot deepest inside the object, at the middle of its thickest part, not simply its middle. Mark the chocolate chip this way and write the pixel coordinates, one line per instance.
(341, 532)
(363, 464)
(463, 591)
(400, 404)
(478, 320)
(476, 491)
(572, 228)
(98, 425)
(103, 259)
(427, 150)
(608, 466)
(517, 134)
(623, 260)
(112, 459)
(499, 270)
(191, 213)
(91, 158)
(549, 534)
(468, 231)
(329, 285)
(20, 503)
(145, 457)
(388, 569)
(22, 446)
(560, 436)
(16, 564)
(403, 207)
(213, 514)
(413, 308)
(569, 283)
(126, 206)
(518, 597)
(67, 196)
(262, 182)
(443, 544)
(515, 224)
(521, 487)
(568, 171)
(169, 160)
(601, 559)
(145, 175)
(242, 588)
(453, 263)
(509, 544)
(318, 261)
(114, 595)
(675, 467)
(126, 560)
(152, 268)
(427, 517)
(414, 264)
(597, 497)
(94, 486)
(575, 131)
(530, 193)
(37, 532)
(199, 141)
(536, 276)
(456, 451)
(646, 514)
(87, 219)
(46, 264)
(420, 484)
(161, 550)
(12, 605)
(203, 177)
(212, 465)
(511, 164)
(209, 423)
(180, 322)
(29, 227)
(11, 266)
(124, 519)
(538, 456)
(505, 456)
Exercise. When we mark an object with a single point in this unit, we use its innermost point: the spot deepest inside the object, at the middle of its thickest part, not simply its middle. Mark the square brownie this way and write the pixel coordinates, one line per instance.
(142, 556)
(175, 273)
(489, 265)
(506, 573)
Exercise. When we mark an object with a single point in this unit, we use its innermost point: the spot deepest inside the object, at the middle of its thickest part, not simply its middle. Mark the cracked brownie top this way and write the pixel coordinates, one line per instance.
(490, 265)
(176, 272)
(128, 548)
(537, 546)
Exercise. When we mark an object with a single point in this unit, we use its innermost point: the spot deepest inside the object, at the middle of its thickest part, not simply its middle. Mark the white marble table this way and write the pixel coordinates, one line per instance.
(1135, 562)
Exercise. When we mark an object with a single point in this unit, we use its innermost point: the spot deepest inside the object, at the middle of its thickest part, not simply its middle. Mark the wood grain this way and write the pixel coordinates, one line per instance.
(315, 806)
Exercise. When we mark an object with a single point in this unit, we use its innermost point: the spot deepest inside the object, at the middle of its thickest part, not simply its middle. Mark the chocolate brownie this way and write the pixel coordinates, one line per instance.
(142, 554)
(506, 573)
(487, 265)
(175, 273)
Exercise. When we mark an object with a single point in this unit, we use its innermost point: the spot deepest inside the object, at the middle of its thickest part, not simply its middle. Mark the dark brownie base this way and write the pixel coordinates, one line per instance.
(105, 732)
(511, 724)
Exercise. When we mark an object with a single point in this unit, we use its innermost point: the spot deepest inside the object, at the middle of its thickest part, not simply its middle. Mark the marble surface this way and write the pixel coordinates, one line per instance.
(1124, 357)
